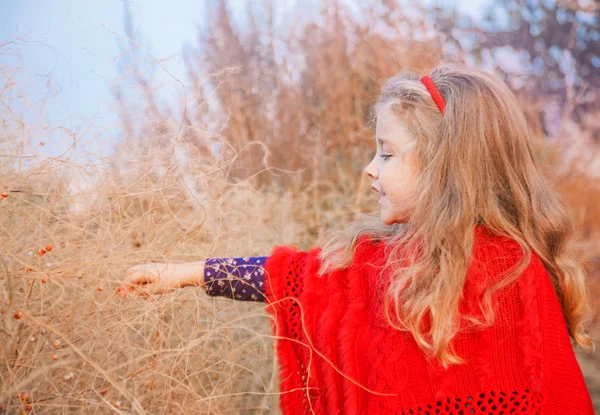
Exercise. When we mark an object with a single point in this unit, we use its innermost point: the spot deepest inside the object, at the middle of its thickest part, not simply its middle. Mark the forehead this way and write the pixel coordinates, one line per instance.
(391, 130)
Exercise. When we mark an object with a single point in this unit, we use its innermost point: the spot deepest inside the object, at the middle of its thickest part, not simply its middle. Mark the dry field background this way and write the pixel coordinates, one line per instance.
(294, 143)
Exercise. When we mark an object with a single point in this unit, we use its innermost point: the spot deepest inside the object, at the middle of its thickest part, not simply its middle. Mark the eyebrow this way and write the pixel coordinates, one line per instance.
(382, 141)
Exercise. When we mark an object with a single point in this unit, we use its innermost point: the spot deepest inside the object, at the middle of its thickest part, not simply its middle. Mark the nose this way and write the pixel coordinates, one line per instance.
(371, 171)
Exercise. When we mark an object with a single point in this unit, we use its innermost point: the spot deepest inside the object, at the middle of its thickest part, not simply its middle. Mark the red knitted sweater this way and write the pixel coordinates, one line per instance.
(523, 364)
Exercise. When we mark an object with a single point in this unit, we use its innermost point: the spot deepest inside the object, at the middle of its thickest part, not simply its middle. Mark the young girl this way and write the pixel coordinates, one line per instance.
(461, 297)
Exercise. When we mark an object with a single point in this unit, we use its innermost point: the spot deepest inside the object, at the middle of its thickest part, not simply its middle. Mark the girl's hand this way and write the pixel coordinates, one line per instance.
(153, 278)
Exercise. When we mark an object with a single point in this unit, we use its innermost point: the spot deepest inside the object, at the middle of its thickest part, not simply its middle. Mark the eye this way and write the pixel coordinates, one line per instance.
(385, 156)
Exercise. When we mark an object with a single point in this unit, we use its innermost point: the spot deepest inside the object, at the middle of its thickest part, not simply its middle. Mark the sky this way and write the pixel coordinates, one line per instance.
(68, 54)
(75, 44)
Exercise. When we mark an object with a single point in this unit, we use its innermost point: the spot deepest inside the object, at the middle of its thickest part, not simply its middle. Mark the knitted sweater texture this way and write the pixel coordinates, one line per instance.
(338, 355)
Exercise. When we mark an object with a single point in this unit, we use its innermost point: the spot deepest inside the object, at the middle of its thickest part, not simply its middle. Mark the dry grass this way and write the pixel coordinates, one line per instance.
(295, 143)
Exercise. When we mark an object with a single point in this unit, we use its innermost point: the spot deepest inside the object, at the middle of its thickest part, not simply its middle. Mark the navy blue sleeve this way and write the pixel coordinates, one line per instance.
(236, 278)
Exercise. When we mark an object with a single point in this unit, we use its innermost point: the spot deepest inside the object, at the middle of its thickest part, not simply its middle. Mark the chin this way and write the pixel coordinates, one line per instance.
(387, 220)
(391, 220)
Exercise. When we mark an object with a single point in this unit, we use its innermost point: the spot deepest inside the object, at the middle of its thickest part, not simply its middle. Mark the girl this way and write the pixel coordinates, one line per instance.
(461, 297)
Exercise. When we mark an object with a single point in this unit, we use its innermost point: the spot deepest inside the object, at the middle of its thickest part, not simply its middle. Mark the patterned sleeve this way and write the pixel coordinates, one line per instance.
(236, 278)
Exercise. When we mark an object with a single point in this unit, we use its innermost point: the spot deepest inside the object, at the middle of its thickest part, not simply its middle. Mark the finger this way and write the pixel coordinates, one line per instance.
(135, 289)
(152, 289)
(148, 297)
(125, 289)
(122, 291)
(144, 293)
(139, 278)
(132, 271)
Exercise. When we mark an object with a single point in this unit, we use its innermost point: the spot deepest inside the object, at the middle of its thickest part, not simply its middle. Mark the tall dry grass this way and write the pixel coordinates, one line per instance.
(292, 127)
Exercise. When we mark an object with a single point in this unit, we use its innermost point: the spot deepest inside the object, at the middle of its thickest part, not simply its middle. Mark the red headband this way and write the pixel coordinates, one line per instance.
(435, 94)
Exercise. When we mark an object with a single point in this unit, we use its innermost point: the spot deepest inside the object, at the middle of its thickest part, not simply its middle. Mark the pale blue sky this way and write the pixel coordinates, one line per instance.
(75, 43)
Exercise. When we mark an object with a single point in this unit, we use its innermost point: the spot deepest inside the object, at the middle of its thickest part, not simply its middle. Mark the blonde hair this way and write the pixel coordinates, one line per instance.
(479, 167)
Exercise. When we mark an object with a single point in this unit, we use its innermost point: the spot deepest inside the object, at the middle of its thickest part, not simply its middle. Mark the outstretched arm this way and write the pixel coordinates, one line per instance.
(236, 278)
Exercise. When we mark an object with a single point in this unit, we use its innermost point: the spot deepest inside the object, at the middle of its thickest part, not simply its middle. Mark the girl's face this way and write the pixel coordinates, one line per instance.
(393, 168)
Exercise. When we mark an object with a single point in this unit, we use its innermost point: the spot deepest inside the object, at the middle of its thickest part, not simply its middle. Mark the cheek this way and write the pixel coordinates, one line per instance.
(398, 183)
(397, 175)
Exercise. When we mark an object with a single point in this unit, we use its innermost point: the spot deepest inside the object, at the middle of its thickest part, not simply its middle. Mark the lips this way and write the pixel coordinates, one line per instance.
(382, 193)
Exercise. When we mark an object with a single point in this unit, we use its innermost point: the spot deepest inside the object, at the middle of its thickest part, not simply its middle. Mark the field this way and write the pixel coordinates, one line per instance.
(293, 146)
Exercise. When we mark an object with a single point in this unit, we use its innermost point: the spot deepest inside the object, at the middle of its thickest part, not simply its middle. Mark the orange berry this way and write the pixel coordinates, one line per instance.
(23, 396)
(100, 288)
(4, 194)
(121, 292)
(56, 343)
(44, 280)
(53, 356)
(48, 248)
(103, 391)
(17, 315)
(28, 407)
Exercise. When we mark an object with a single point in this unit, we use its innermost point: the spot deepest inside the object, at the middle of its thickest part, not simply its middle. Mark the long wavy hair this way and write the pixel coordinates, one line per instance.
(479, 166)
